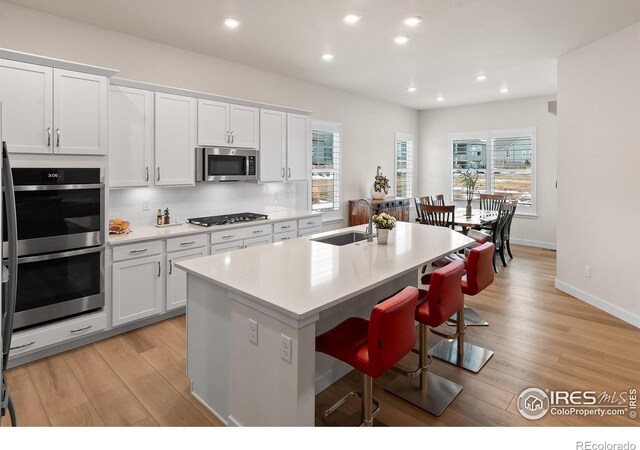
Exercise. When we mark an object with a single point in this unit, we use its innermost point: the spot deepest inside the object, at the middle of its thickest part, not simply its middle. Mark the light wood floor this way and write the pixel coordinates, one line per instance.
(540, 336)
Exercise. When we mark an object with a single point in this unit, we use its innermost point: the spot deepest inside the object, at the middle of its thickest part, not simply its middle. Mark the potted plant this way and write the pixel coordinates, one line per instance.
(380, 186)
(383, 223)
(469, 178)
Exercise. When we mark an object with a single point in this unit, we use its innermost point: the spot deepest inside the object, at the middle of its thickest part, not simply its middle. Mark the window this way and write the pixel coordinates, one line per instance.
(404, 165)
(325, 166)
(505, 161)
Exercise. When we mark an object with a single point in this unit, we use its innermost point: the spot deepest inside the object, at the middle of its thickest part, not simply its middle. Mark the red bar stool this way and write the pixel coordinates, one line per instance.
(432, 392)
(458, 352)
(372, 346)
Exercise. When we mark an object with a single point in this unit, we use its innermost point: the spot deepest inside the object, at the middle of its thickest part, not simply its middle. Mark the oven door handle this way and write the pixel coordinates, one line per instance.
(58, 187)
(50, 256)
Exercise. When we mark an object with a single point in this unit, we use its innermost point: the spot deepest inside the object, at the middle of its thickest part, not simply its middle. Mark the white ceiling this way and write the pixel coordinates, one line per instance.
(514, 42)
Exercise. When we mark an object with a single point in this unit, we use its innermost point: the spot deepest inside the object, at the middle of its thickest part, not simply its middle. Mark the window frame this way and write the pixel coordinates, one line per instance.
(406, 137)
(336, 128)
(489, 136)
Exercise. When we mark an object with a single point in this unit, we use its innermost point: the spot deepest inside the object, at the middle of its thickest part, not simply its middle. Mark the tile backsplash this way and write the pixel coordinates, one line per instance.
(205, 199)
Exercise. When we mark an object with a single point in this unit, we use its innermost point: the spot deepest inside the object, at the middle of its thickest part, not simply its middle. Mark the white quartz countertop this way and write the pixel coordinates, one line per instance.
(300, 277)
(151, 232)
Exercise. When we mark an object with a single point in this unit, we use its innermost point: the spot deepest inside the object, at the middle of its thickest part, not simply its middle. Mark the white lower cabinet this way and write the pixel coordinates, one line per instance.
(309, 231)
(137, 289)
(279, 237)
(177, 279)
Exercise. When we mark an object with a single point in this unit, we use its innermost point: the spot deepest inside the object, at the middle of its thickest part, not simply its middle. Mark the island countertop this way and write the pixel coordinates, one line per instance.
(301, 277)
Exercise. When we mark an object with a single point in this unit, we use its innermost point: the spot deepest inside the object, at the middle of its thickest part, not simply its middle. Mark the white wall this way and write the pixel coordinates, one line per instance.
(368, 124)
(599, 173)
(435, 158)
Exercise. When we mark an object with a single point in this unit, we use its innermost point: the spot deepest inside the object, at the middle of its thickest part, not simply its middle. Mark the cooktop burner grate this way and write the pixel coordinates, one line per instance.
(227, 219)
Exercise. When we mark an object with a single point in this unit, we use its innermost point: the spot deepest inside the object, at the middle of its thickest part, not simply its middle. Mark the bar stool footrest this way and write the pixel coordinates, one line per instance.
(473, 358)
(435, 399)
(471, 319)
(327, 413)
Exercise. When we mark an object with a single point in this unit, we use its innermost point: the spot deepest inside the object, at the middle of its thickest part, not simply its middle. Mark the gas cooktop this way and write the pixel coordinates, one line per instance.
(227, 219)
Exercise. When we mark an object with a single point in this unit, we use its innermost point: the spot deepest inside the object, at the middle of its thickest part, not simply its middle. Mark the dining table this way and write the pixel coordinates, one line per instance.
(478, 218)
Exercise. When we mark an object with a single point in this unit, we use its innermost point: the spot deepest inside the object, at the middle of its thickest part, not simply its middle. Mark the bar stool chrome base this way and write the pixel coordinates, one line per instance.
(367, 402)
(473, 358)
(434, 398)
(471, 319)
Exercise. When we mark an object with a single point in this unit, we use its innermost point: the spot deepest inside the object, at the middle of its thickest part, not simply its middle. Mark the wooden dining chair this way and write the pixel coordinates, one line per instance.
(438, 215)
(506, 232)
(491, 202)
(427, 200)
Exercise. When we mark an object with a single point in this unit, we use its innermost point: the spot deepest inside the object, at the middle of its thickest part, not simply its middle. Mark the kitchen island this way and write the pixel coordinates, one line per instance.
(253, 315)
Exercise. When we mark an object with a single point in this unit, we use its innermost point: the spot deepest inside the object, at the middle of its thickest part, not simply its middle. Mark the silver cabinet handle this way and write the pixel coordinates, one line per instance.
(258, 231)
(233, 138)
(187, 243)
(58, 137)
(159, 269)
(285, 239)
(289, 175)
(81, 329)
(135, 252)
(158, 178)
(49, 137)
(282, 172)
(310, 223)
(22, 346)
(170, 267)
(147, 178)
(228, 137)
(285, 227)
(228, 236)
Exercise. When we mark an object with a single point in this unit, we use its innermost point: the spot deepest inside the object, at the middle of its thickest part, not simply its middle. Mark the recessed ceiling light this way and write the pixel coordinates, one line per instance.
(232, 22)
(481, 77)
(401, 40)
(440, 98)
(504, 90)
(412, 21)
(327, 57)
(411, 89)
(352, 18)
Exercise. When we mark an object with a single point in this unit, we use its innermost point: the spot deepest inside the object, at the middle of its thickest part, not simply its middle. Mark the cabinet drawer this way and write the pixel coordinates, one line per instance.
(226, 247)
(283, 227)
(30, 340)
(239, 233)
(124, 252)
(310, 222)
(262, 240)
(309, 231)
(186, 242)
(285, 236)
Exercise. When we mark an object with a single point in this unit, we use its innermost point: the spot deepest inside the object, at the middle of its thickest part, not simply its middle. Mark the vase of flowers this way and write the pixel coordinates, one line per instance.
(380, 186)
(384, 223)
(469, 178)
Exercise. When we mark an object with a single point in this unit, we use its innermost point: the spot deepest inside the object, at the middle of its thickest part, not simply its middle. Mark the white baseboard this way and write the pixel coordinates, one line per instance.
(211, 410)
(607, 307)
(539, 244)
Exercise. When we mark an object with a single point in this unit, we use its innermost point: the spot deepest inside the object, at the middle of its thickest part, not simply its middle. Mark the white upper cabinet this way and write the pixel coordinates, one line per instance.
(298, 146)
(26, 93)
(273, 145)
(213, 123)
(79, 113)
(53, 110)
(175, 140)
(130, 136)
(227, 125)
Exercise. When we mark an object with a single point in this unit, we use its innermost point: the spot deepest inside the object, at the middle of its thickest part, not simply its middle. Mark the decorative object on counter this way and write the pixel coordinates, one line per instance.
(119, 226)
(174, 224)
(380, 186)
(159, 219)
(384, 223)
(166, 219)
(469, 179)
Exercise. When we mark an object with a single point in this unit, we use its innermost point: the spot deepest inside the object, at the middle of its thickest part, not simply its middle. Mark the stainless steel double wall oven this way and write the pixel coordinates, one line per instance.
(60, 222)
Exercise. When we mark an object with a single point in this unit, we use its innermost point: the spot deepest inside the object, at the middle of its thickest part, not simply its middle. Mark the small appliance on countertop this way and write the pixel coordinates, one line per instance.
(227, 219)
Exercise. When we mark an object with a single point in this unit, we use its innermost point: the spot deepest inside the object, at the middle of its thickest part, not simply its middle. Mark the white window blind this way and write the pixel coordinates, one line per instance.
(505, 161)
(325, 168)
(404, 165)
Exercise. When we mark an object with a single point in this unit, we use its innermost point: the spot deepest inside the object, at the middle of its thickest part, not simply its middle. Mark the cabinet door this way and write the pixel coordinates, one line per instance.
(244, 126)
(175, 137)
(137, 289)
(26, 93)
(130, 136)
(213, 123)
(298, 146)
(273, 145)
(79, 113)
(177, 279)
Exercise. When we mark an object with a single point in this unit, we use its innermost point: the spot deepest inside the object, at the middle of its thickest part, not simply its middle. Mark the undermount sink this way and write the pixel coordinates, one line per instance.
(342, 239)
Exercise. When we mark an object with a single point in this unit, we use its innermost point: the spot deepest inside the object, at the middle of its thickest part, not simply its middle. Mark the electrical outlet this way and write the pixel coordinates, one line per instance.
(145, 204)
(253, 331)
(587, 271)
(285, 347)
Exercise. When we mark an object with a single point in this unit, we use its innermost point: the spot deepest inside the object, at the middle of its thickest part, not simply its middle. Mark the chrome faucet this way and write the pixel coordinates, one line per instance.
(369, 232)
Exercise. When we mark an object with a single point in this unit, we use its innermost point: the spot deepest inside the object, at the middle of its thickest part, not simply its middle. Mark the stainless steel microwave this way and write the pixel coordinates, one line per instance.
(226, 164)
